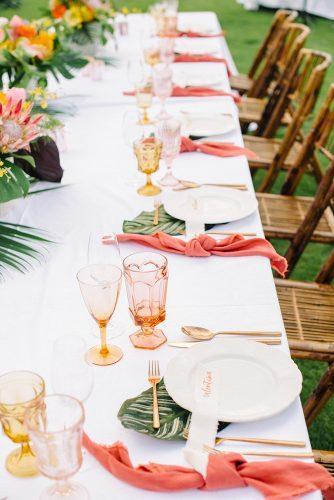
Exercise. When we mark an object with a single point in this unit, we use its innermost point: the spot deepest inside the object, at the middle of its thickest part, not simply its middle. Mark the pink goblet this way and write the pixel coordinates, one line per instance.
(162, 87)
(167, 49)
(169, 132)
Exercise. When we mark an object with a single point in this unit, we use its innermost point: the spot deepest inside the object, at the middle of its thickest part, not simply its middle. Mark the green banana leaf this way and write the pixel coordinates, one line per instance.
(136, 414)
(20, 246)
(143, 224)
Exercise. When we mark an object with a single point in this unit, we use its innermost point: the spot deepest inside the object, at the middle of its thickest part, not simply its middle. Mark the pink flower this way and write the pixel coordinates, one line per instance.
(17, 126)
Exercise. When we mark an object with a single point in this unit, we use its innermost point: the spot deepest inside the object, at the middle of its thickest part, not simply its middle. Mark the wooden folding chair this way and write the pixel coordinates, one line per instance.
(300, 219)
(269, 112)
(326, 459)
(262, 71)
(307, 310)
(276, 154)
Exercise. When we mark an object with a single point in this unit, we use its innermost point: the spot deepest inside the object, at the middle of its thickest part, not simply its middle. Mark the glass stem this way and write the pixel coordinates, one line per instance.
(148, 180)
(104, 349)
(147, 330)
(63, 487)
(146, 119)
(26, 450)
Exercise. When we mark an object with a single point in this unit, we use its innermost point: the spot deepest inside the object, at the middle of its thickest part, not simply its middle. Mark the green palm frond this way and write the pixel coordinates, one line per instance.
(20, 246)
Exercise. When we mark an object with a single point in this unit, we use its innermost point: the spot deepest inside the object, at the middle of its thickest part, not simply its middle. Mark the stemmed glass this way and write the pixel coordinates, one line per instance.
(146, 278)
(169, 131)
(162, 87)
(151, 50)
(140, 79)
(70, 374)
(56, 428)
(19, 391)
(148, 153)
(103, 248)
(100, 285)
(167, 49)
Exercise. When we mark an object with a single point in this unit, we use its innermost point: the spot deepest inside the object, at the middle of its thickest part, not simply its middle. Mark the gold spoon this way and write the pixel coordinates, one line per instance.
(192, 185)
(199, 333)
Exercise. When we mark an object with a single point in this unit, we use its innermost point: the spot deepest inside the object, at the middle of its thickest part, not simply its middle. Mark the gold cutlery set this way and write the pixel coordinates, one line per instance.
(193, 185)
(154, 378)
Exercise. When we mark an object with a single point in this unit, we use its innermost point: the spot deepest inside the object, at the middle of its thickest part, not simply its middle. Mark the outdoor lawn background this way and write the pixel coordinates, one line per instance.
(244, 32)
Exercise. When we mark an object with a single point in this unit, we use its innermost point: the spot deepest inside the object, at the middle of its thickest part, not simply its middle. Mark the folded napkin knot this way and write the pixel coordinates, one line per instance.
(223, 149)
(204, 246)
(275, 479)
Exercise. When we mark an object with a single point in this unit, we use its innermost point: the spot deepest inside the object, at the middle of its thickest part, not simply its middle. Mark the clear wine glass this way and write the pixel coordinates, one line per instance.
(69, 373)
(162, 87)
(55, 428)
(169, 132)
(103, 248)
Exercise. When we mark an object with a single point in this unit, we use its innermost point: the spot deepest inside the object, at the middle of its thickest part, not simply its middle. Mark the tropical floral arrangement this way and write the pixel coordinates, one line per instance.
(84, 21)
(19, 127)
(31, 50)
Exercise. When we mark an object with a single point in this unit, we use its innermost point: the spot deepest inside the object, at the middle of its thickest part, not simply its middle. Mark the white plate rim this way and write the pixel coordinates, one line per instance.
(173, 196)
(185, 119)
(178, 368)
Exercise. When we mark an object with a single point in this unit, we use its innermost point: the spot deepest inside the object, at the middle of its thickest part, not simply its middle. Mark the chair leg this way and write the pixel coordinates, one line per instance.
(320, 396)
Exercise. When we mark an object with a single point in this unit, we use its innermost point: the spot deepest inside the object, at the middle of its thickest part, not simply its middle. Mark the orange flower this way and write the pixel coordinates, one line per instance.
(25, 30)
(58, 11)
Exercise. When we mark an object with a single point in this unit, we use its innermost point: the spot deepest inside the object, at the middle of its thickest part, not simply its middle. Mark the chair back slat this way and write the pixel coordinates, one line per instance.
(310, 75)
(319, 140)
(322, 199)
(286, 86)
(326, 273)
(264, 69)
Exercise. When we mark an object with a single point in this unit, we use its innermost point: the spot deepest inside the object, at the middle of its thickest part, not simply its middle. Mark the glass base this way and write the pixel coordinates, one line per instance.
(169, 180)
(149, 190)
(148, 341)
(95, 357)
(69, 491)
(21, 464)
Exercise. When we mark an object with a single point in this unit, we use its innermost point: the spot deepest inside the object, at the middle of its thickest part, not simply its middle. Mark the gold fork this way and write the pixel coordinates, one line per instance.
(154, 378)
(157, 205)
(286, 454)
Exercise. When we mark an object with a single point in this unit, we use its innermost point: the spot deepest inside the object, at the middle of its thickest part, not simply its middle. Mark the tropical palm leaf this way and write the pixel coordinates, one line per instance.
(19, 247)
(143, 224)
(136, 414)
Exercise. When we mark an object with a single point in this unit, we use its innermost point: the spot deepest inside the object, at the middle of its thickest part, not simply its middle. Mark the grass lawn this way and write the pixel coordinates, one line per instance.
(244, 32)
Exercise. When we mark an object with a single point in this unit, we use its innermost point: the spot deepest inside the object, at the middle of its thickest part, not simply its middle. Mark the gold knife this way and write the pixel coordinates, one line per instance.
(269, 341)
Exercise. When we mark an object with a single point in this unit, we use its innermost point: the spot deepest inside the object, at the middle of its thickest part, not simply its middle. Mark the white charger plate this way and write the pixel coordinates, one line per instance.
(199, 80)
(204, 124)
(255, 381)
(210, 204)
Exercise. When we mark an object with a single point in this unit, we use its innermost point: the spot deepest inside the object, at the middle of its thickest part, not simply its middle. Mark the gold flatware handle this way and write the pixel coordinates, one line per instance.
(277, 442)
(190, 344)
(156, 417)
(156, 214)
(226, 233)
(240, 187)
(286, 454)
(260, 333)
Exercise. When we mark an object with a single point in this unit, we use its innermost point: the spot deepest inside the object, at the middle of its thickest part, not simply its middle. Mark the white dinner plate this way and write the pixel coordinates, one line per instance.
(210, 204)
(199, 80)
(197, 46)
(205, 125)
(254, 381)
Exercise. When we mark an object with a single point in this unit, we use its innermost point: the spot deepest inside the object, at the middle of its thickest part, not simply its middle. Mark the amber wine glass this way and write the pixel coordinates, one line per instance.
(19, 391)
(144, 98)
(146, 279)
(151, 50)
(100, 285)
(148, 152)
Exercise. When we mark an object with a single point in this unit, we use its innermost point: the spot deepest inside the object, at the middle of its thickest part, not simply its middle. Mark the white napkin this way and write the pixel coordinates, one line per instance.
(204, 419)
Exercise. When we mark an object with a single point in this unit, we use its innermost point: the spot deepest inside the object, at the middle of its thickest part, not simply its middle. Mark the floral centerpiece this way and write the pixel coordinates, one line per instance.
(85, 21)
(19, 127)
(31, 50)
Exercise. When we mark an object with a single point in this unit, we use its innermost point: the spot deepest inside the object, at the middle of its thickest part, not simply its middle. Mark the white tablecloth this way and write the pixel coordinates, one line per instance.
(216, 292)
(323, 8)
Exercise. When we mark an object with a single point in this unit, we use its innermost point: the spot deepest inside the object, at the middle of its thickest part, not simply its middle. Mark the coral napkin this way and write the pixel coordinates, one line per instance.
(223, 149)
(195, 92)
(204, 246)
(201, 58)
(196, 34)
(275, 479)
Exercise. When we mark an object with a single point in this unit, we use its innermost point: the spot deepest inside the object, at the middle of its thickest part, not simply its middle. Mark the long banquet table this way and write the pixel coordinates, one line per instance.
(36, 308)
